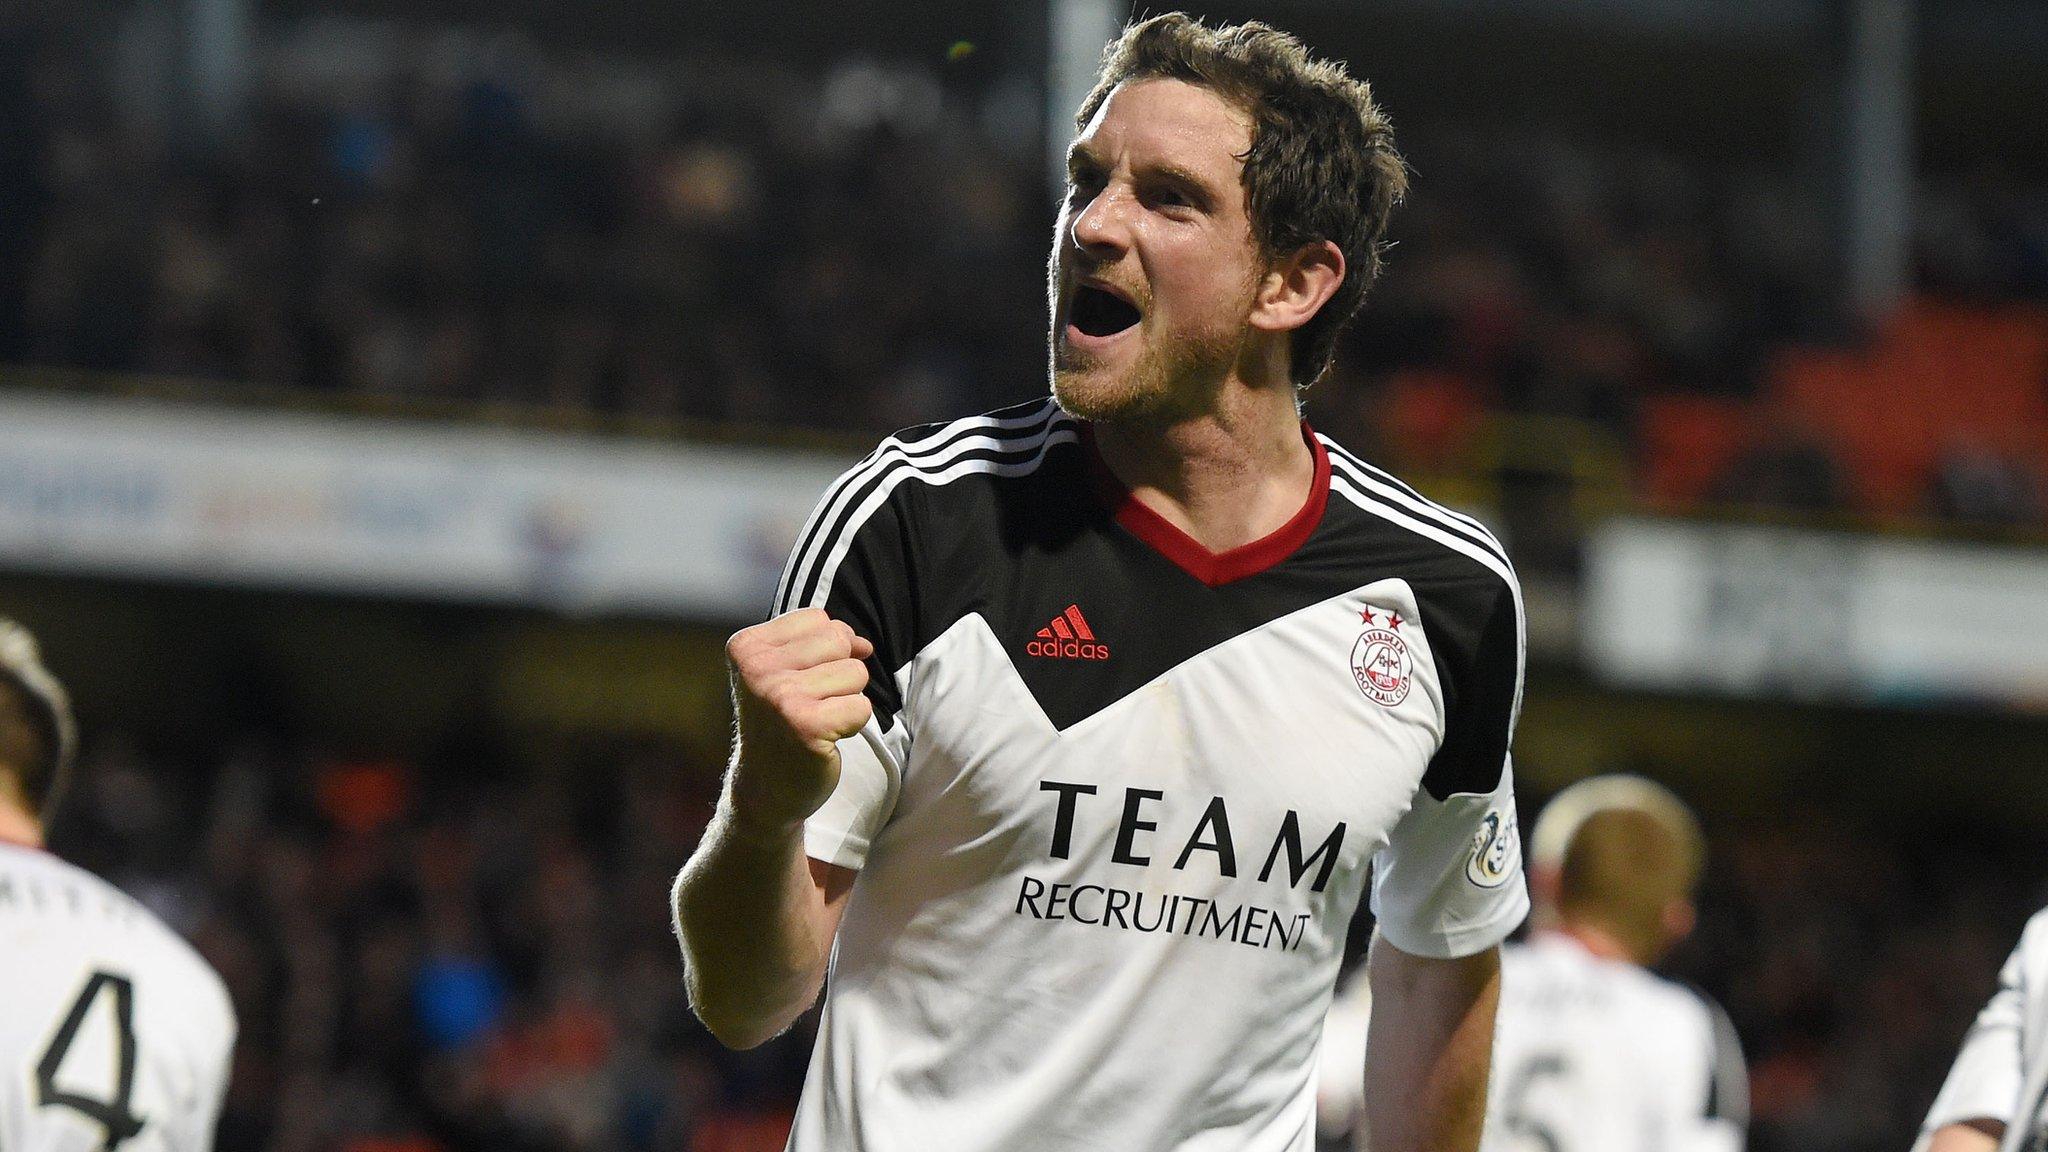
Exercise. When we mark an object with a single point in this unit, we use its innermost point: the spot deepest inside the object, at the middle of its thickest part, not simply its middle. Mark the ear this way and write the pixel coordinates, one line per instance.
(1679, 919)
(1297, 286)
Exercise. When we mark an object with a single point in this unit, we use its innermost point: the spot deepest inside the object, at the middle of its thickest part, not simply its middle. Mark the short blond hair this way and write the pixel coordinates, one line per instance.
(38, 736)
(1624, 848)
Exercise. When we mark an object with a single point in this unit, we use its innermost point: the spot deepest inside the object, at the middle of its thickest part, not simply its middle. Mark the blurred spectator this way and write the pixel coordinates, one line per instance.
(1784, 469)
(1975, 484)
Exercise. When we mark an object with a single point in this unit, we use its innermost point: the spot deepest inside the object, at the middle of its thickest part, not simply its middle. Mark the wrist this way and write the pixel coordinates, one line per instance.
(755, 822)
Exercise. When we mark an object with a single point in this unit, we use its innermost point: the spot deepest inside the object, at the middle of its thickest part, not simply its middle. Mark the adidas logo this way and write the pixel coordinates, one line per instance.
(1068, 637)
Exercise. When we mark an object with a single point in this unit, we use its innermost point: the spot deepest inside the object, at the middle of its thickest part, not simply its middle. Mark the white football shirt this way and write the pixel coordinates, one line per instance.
(1598, 1055)
(2001, 1073)
(1121, 795)
(114, 1033)
(1589, 1055)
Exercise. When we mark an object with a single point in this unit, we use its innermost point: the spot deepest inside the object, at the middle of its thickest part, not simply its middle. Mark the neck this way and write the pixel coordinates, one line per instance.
(18, 827)
(1596, 940)
(1226, 477)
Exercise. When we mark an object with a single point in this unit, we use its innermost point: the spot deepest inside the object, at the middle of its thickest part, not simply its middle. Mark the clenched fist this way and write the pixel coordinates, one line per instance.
(797, 689)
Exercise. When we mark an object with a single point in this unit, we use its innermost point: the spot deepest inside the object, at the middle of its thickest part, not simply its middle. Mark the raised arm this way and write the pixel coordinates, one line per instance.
(754, 915)
(1428, 1049)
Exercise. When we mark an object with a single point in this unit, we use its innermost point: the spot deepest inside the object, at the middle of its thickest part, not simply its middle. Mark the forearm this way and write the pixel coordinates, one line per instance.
(755, 927)
(1428, 1050)
(1968, 1136)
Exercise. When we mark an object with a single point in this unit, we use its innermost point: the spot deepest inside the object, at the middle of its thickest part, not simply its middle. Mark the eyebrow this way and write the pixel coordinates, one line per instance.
(1078, 155)
(1179, 175)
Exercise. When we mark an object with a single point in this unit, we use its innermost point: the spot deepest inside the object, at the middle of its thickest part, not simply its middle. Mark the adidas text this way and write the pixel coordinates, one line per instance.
(1068, 649)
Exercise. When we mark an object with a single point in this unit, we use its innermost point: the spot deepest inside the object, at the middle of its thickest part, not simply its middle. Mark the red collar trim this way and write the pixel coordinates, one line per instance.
(1188, 553)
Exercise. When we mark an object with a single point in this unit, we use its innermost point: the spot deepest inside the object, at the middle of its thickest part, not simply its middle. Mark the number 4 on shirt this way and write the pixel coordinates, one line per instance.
(113, 1115)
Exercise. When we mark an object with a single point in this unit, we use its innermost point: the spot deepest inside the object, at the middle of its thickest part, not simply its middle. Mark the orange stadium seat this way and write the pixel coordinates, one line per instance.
(1981, 370)
(1687, 442)
(409, 1143)
(741, 1132)
(1432, 414)
(1938, 374)
(1871, 418)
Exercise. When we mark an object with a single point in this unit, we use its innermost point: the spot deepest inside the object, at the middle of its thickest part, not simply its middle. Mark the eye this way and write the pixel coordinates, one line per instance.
(1169, 196)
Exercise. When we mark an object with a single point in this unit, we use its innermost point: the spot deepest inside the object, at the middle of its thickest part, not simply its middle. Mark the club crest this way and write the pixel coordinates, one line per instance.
(1382, 665)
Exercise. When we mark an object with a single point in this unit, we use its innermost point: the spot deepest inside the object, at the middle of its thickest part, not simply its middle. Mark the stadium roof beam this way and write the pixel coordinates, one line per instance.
(1871, 158)
(1077, 30)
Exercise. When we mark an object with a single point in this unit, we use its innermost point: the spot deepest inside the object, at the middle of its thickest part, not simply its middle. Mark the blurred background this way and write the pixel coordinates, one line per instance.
(400, 402)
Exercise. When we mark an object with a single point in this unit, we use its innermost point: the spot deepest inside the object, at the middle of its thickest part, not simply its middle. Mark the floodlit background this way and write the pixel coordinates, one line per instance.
(399, 402)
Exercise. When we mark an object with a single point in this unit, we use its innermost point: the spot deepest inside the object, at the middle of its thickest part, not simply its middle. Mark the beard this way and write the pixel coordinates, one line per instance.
(1169, 375)
(1164, 379)
(1157, 382)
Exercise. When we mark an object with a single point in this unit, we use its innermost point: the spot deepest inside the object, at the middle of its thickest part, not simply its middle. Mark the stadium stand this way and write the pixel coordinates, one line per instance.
(481, 221)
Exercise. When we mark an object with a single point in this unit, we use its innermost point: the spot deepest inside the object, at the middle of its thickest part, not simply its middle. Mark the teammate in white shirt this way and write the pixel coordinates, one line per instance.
(1083, 723)
(1996, 1095)
(114, 1034)
(1593, 1052)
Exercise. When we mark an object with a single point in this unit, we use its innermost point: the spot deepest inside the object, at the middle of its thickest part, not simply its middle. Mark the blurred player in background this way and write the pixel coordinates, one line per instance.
(1996, 1095)
(1108, 700)
(1594, 1053)
(114, 1033)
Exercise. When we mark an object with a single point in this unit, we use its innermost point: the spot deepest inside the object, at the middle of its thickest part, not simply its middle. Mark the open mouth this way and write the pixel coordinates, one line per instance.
(1099, 312)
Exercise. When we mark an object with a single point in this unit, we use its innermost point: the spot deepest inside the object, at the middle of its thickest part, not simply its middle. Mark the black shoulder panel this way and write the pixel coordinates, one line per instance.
(861, 557)
(1471, 611)
(997, 517)
(1042, 560)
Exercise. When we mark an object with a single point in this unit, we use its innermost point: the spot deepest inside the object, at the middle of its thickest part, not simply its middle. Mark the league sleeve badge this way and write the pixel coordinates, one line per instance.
(1494, 850)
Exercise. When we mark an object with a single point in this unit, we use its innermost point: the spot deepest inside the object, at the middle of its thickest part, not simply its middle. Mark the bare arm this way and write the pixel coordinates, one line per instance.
(754, 915)
(1428, 1049)
(756, 919)
(1968, 1136)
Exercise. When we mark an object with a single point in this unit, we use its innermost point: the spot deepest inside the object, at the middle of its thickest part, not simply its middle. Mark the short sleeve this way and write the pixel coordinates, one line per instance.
(1985, 1081)
(1721, 1124)
(1448, 882)
(853, 559)
(870, 775)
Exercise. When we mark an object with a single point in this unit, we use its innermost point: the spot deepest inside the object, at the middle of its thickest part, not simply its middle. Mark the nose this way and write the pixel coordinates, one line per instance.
(1101, 227)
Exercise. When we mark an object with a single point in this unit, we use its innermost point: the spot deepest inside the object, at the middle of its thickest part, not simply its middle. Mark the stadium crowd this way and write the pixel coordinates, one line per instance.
(436, 952)
(466, 216)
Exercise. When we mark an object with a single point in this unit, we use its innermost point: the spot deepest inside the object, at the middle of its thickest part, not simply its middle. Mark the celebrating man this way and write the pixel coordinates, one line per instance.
(1064, 762)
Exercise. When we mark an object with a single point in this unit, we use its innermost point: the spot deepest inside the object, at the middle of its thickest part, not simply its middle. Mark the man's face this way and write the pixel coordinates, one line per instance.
(1153, 266)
